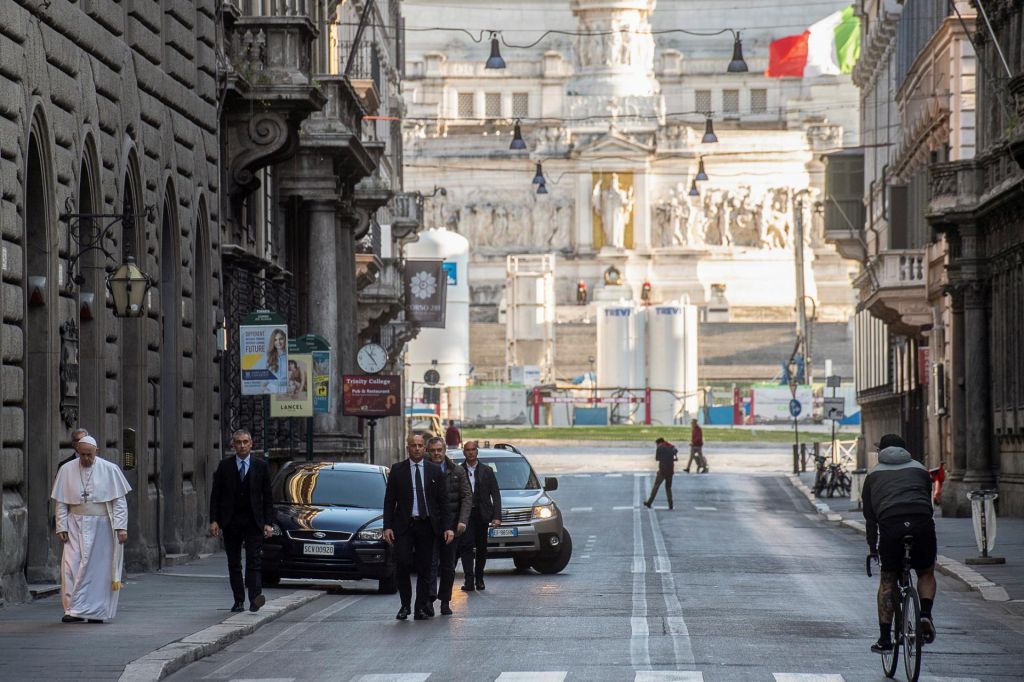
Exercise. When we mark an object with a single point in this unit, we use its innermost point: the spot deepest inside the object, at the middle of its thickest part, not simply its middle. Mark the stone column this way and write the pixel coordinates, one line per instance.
(953, 501)
(641, 211)
(977, 375)
(324, 290)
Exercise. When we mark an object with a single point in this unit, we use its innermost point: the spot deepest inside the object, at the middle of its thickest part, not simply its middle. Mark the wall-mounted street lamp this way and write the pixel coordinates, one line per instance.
(128, 284)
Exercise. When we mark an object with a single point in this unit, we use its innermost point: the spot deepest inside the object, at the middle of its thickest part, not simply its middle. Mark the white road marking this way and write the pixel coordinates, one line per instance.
(396, 677)
(582, 475)
(613, 475)
(931, 678)
(806, 677)
(264, 679)
(532, 677)
(581, 509)
(584, 556)
(669, 676)
(706, 508)
(624, 508)
(639, 645)
(673, 609)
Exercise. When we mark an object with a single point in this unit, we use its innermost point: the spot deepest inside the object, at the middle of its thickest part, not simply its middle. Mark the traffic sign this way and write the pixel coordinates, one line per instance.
(834, 408)
(795, 407)
(834, 381)
(432, 377)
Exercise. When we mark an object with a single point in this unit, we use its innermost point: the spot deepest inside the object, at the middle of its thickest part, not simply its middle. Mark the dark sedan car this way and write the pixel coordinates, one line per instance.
(328, 524)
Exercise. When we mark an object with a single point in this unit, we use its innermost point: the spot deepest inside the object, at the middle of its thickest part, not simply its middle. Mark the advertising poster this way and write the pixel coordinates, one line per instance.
(263, 340)
(426, 292)
(371, 396)
(321, 381)
(297, 401)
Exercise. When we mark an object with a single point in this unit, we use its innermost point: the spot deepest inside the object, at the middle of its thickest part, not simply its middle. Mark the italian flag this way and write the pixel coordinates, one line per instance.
(829, 47)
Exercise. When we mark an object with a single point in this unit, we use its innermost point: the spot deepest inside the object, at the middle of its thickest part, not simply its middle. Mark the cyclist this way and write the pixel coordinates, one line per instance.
(897, 501)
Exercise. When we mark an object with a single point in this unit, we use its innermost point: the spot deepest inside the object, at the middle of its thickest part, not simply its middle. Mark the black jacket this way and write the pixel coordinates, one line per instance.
(486, 495)
(897, 486)
(666, 454)
(460, 495)
(399, 492)
(226, 487)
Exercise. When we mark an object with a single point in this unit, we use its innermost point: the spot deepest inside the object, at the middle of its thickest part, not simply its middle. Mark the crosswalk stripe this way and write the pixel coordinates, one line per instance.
(581, 509)
(706, 508)
(393, 677)
(669, 676)
(549, 676)
(932, 678)
(623, 508)
(806, 677)
(613, 475)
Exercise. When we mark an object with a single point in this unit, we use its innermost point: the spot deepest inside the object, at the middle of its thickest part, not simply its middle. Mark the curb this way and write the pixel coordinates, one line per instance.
(973, 580)
(172, 657)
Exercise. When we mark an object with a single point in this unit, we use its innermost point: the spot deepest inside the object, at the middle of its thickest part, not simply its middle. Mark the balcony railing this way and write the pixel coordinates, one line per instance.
(903, 268)
(952, 186)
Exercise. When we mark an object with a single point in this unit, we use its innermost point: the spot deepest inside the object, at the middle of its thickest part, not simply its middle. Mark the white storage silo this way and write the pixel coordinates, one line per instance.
(620, 352)
(449, 347)
(672, 361)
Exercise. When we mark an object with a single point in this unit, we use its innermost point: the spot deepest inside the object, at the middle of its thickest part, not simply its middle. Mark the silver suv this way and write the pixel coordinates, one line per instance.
(531, 531)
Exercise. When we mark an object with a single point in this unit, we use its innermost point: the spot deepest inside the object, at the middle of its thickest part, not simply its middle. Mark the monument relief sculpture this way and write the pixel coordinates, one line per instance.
(615, 206)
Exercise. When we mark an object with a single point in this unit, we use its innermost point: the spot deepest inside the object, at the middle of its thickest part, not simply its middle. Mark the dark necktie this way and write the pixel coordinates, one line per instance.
(421, 501)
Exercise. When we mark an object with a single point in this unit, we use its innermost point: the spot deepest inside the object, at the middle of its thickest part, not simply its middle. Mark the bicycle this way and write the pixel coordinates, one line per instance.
(831, 479)
(906, 620)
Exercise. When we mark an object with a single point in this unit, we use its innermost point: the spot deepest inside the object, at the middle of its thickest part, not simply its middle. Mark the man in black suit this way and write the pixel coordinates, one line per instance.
(485, 514)
(242, 509)
(415, 513)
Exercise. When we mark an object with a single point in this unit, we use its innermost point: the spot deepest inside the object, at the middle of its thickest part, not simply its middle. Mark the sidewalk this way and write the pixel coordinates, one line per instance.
(154, 610)
(997, 582)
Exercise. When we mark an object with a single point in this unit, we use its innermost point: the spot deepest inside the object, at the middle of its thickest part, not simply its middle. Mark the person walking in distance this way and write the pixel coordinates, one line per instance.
(485, 514)
(460, 501)
(697, 448)
(666, 454)
(897, 502)
(416, 512)
(242, 509)
(452, 435)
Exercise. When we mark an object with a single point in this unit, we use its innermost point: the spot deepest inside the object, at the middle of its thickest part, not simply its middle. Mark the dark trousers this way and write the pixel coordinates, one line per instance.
(442, 567)
(666, 477)
(235, 537)
(474, 541)
(415, 544)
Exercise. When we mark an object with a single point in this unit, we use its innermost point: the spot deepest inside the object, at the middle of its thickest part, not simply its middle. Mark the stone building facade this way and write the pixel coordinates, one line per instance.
(226, 147)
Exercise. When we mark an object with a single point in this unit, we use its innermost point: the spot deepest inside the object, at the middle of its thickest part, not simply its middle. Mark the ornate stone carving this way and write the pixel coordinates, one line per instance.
(256, 141)
(615, 206)
(499, 222)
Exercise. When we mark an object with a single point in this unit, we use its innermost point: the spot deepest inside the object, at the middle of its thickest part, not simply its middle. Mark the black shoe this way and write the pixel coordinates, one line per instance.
(480, 584)
(257, 603)
(647, 504)
(403, 613)
(68, 618)
(670, 507)
(428, 609)
(238, 607)
(927, 630)
(468, 587)
(445, 609)
(881, 647)
(421, 615)
(95, 620)
(432, 598)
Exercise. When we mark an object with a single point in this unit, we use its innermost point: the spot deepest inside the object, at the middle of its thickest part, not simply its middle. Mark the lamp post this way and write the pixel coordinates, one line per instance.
(129, 286)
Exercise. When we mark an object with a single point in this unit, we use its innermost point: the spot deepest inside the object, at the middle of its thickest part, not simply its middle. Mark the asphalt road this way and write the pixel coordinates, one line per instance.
(740, 582)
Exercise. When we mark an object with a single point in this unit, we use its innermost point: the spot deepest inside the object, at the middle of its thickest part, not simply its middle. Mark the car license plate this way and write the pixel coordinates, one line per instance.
(315, 549)
(503, 532)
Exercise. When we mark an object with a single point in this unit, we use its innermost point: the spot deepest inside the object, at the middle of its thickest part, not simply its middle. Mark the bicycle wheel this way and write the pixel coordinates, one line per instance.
(892, 659)
(912, 634)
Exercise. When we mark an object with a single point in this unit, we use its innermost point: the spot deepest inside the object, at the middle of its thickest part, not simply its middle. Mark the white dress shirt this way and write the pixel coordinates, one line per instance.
(472, 475)
(418, 468)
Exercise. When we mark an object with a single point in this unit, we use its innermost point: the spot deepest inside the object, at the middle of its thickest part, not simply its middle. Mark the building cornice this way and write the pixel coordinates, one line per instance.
(875, 47)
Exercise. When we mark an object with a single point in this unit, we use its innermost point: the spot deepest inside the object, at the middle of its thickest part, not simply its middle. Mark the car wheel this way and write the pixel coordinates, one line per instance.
(387, 585)
(522, 563)
(270, 579)
(555, 564)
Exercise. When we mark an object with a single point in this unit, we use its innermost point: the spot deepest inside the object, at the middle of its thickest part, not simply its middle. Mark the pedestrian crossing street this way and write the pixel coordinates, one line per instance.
(561, 676)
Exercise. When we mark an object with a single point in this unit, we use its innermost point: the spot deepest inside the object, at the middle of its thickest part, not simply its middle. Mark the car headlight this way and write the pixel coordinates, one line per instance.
(543, 511)
(374, 531)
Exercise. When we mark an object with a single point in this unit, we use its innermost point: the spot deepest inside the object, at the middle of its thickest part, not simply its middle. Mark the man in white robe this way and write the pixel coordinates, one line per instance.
(92, 522)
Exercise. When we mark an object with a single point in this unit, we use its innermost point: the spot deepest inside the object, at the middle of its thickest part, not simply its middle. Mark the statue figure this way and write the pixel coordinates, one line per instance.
(775, 219)
(744, 218)
(615, 206)
(716, 220)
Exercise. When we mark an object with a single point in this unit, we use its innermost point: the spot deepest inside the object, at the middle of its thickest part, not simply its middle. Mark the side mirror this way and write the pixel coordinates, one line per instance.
(550, 483)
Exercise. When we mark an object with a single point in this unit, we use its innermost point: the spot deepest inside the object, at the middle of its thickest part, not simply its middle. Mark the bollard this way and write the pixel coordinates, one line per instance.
(803, 455)
(796, 458)
(983, 514)
(857, 477)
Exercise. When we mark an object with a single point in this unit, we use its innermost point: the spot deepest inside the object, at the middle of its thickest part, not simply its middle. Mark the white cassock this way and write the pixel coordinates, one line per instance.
(91, 507)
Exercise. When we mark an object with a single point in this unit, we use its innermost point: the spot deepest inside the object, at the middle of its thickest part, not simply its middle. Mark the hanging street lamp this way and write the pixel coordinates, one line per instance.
(701, 175)
(495, 61)
(709, 132)
(738, 64)
(518, 143)
(129, 286)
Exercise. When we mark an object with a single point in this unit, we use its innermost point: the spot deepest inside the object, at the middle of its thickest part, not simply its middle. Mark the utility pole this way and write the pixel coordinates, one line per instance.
(801, 297)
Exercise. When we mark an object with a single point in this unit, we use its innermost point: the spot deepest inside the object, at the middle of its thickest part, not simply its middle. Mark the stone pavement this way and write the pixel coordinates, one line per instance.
(155, 612)
(997, 582)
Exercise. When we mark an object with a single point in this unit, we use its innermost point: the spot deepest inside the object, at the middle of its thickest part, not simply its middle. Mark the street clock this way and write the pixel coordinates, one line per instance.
(372, 358)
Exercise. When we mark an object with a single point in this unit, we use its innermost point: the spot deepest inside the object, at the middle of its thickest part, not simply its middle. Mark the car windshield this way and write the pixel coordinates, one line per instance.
(421, 425)
(330, 488)
(512, 473)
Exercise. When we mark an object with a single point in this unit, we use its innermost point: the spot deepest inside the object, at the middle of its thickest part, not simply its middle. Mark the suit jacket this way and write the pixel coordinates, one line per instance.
(486, 495)
(399, 493)
(226, 487)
